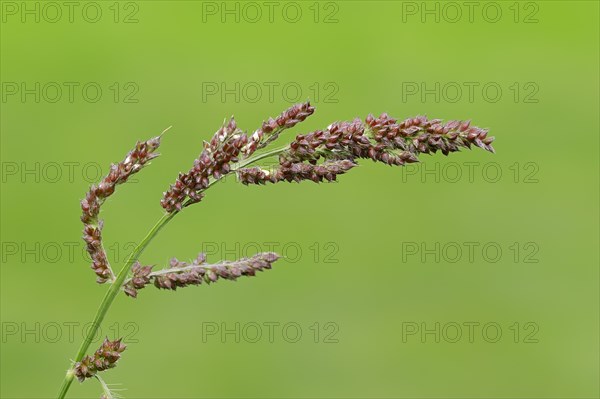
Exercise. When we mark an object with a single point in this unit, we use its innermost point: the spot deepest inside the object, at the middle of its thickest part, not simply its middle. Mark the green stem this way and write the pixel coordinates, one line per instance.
(110, 297)
(258, 157)
(115, 287)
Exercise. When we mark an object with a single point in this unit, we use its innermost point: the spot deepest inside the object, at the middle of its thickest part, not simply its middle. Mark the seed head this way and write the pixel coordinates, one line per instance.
(384, 140)
(135, 160)
(297, 172)
(104, 358)
(214, 162)
(140, 278)
(272, 128)
(181, 274)
(421, 135)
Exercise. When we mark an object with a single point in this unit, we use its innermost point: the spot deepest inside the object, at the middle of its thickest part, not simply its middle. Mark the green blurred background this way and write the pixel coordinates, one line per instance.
(372, 262)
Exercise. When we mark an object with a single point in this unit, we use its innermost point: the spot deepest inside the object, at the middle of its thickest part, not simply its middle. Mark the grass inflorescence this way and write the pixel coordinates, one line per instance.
(319, 156)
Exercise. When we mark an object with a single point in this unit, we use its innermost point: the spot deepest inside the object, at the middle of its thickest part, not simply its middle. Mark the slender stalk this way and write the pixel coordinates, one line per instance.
(110, 295)
(115, 287)
(258, 157)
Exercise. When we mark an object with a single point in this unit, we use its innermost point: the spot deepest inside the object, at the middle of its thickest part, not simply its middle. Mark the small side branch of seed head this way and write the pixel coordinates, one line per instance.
(323, 154)
(104, 358)
(119, 173)
(272, 128)
(296, 172)
(214, 162)
(385, 140)
(182, 274)
(228, 145)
